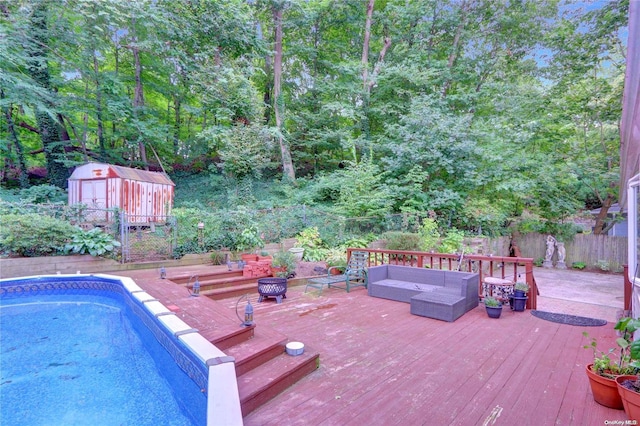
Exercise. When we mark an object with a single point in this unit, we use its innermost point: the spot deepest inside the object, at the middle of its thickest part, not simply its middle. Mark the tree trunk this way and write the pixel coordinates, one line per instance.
(456, 46)
(99, 119)
(278, 104)
(600, 218)
(23, 176)
(268, 89)
(138, 96)
(365, 47)
(49, 128)
(177, 104)
(366, 88)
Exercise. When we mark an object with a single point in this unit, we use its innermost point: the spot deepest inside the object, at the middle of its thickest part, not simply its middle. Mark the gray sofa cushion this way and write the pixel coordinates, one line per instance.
(402, 283)
(400, 291)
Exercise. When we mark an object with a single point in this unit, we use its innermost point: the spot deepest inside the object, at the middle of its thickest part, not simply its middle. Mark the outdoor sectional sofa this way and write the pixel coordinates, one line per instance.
(432, 293)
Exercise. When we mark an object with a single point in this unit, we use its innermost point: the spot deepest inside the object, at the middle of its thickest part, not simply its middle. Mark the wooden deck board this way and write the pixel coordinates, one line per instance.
(380, 365)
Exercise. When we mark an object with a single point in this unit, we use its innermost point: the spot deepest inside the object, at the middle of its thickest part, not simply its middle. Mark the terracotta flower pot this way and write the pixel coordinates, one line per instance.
(603, 390)
(276, 269)
(249, 257)
(630, 398)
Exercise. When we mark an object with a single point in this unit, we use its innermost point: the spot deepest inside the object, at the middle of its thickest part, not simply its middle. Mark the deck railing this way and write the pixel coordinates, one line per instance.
(511, 268)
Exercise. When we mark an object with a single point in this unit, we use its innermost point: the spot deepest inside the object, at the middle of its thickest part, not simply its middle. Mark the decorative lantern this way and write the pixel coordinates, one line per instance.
(201, 234)
(163, 272)
(248, 312)
(248, 315)
(196, 288)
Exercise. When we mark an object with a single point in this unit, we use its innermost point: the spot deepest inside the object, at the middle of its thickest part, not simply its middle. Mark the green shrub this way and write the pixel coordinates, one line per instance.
(336, 256)
(539, 261)
(248, 240)
(357, 242)
(218, 258)
(286, 261)
(40, 194)
(189, 247)
(402, 241)
(93, 242)
(32, 235)
(452, 242)
(603, 265)
(429, 235)
(578, 265)
(309, 239)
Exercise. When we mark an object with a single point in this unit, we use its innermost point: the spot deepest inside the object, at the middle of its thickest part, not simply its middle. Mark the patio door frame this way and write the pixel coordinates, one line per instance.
(633, 187)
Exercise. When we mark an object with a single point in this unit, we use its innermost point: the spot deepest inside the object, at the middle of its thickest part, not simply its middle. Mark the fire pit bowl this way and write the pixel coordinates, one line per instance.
(272, 287)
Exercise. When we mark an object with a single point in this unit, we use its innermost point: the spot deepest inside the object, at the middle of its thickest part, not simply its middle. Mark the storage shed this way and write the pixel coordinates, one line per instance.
(146, 197)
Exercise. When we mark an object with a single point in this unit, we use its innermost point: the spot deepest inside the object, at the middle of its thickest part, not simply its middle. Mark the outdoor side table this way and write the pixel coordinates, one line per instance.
(499, 288)
(319, 283)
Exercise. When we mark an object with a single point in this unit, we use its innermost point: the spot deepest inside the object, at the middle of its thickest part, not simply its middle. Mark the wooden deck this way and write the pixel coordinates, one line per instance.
(380, 365)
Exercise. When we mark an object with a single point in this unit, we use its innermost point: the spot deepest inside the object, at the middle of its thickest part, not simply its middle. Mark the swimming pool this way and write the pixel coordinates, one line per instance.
(127, 360)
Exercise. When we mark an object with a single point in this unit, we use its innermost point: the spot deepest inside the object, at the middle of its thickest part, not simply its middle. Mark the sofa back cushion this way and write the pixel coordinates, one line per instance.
(417, 275)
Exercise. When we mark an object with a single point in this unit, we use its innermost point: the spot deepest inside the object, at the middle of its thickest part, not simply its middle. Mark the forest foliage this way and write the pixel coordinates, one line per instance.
(479, 112)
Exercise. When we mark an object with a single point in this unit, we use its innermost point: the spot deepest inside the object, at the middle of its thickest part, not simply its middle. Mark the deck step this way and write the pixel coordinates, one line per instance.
(228, 282)
(227, 337)
(212, 286)
(261, 384)
(232, 291)
(265, 345)
(213, 275)
(262, 365)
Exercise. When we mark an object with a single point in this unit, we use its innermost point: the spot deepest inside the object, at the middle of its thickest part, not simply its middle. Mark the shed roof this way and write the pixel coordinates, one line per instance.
(102, 171)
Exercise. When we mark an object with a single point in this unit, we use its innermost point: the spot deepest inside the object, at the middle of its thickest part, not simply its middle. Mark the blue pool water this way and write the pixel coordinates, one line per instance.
(88, 359)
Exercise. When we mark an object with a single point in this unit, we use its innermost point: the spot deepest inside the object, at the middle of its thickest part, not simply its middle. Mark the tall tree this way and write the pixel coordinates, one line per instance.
(38, 67)
(278, 99)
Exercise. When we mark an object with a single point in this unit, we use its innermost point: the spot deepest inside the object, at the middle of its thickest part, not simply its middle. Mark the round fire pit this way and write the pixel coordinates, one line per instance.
(272, 287)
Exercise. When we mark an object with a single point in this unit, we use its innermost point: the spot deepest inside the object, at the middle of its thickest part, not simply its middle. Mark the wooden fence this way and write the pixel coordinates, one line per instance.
(595, 251)
(599, 251)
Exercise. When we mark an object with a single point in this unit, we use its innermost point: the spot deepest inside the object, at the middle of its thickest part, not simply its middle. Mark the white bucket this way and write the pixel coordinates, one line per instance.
(295, 348)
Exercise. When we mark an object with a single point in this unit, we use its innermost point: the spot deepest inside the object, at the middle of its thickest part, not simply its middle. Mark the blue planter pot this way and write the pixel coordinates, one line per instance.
(518, 304)
(494, 311)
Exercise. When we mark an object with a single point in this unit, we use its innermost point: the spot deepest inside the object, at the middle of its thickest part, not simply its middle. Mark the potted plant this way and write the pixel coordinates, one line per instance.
(519, 299)
(493, 307)
(521, 289)
(249, 240)
(629, 385)
(307, 240)
(283, 264)
(264, 255)
(336, 260)
(604, 370)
